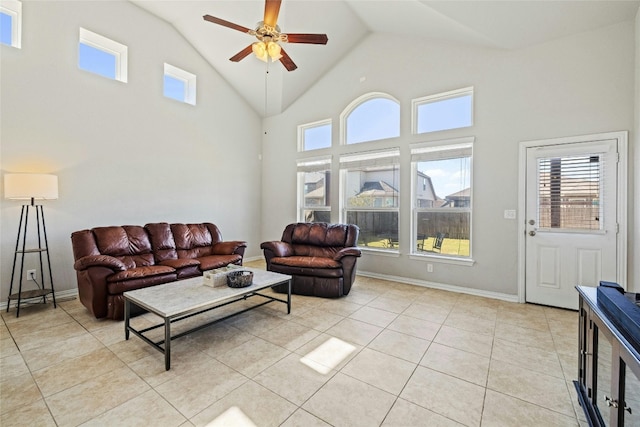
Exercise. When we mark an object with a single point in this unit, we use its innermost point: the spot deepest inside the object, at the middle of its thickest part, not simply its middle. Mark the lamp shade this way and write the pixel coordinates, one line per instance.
(22, 186)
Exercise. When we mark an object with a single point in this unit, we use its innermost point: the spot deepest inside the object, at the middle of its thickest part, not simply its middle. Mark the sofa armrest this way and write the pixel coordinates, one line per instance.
(229, 248)
(351, 251)
(99, 261)
(279, 249)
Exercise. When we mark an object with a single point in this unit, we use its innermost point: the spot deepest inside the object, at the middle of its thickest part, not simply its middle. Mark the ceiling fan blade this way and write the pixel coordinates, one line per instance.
(307, 38)
(242, 54)
(226, 24)
(286, 61)
(271, 11)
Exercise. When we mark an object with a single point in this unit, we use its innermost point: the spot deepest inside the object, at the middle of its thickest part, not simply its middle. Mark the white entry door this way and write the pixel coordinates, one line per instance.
(571, 226)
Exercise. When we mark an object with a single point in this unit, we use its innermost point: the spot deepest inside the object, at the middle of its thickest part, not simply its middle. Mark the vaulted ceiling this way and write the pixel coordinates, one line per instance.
(493, 24)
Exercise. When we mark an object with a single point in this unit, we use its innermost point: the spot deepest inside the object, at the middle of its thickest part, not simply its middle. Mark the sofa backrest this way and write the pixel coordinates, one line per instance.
(195, 240)
(128, 243)
(162, 242)
(319, 238)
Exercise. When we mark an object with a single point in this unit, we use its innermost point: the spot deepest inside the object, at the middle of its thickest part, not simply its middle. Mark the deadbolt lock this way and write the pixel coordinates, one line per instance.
(531, 222)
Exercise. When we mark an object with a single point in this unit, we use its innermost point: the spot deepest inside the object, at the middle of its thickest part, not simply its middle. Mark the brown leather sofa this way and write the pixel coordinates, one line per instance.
(320, 257)
(112, 260)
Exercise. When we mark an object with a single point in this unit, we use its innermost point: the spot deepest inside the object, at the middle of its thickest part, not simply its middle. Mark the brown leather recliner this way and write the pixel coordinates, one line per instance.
(113, 260)
(320, 257)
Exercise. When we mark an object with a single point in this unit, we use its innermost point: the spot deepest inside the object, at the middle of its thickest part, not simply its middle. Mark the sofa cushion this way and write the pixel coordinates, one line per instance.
(216, 261)
(162, 242)
(130, 284)
(139, 272)
(306, 262)
(130, 244)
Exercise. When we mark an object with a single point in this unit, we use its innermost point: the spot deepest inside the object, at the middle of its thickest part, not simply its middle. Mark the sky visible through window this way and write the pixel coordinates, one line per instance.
(377, 118)
(6, 26)
(448, 176)
(174, 88)
(317, 137)
(450, 113)
(97, 61)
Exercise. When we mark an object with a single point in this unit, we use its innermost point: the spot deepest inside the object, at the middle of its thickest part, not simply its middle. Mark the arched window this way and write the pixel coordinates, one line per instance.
(371, 117)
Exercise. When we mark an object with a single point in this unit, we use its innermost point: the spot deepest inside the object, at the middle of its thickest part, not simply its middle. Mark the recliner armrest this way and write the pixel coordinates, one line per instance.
(99, 261)
(279, 249)
(351, 251)
(229, 248)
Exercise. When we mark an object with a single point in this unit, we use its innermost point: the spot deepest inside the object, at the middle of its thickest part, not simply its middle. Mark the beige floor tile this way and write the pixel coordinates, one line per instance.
(151, 369)
(325, 353)
(259, 405)
(89, 399)
(302, 418)
(218, 339)
(8, 347)
(457, 363)
(470, 323)
(255, 322)
(316, 319)
(36, 413)
(380, 370)
(292, 379)
(147, 409)
(47, 336)
(390, 302)
(37, 317)
(526, 336)
(354, 331)
(361, 296)
(191, 393)
(481, 311)
(432, 313)
(253, 356)
(70, 372)
(341, 306)
(374, 316)
(17, 391)
(415, 327)
(4, 331)
(13, 366)
(41, 357)
(465, 340)
(400, 345)
(450, 397)
(405, 414)
(533, 387)
(532, 358)
(290, 335)
(503, 410)
(347, 401)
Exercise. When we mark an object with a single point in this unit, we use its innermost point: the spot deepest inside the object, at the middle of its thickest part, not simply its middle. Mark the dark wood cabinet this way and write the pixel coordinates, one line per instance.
(608, 382)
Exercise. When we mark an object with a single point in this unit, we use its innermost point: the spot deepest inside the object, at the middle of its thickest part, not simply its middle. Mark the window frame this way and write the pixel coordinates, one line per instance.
(443, 96)
(189, 80)
(390, 157)
(306, 126)
(111, 47)
(304, 166)
(441, 146)
(13, 8)
(354, 105)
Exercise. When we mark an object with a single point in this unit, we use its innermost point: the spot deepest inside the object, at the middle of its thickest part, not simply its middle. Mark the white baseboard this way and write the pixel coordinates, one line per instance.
(441, 286)
(60, 295)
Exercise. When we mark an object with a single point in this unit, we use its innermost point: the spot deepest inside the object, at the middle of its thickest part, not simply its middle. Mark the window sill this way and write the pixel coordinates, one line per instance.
(381, 252)
(467, 262)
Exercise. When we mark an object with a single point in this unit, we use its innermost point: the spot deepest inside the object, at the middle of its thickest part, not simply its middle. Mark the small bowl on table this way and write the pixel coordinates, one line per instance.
(239, 279)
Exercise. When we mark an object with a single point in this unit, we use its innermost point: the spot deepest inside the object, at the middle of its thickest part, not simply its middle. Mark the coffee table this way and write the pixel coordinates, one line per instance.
(182, 299)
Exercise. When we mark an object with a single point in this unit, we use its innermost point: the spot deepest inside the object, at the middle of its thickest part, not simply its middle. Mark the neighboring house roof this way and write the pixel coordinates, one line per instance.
(377, 189)
(462, 194)
(318, 193)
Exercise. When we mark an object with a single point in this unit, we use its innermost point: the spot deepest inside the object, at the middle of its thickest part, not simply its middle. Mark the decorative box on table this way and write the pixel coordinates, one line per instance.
(218, 276)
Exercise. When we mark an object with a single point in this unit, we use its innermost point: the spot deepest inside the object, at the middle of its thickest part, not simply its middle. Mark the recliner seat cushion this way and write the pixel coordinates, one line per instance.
(306, 262)
(216, 261)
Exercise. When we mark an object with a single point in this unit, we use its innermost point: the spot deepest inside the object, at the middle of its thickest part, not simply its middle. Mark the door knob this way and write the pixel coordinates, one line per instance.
(532, 233)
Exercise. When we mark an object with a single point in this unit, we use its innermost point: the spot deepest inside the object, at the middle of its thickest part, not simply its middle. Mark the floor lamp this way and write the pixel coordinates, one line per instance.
(27, 186)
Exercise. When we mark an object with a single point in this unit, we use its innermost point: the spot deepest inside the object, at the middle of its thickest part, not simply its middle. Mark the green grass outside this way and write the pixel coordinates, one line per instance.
(459, 247)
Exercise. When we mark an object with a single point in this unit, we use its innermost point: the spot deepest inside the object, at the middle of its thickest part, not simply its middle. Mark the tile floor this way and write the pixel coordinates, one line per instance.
(388, 354)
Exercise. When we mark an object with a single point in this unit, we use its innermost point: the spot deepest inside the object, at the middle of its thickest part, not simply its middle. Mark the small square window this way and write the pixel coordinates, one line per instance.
(10, 23)
(314, 136)
(179, 84)
(100, 55)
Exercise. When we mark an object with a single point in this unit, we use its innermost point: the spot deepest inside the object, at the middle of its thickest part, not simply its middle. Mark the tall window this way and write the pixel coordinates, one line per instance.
(314, 136)
(370, 196)
(11, 23)
(179, 84)
(100, 55)
(442, 198)
(449, 110)
(372, 117)
(314, 184)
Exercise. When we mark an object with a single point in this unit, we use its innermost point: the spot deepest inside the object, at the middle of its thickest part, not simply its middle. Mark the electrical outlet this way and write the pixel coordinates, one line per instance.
(31, 275)
(429, 268)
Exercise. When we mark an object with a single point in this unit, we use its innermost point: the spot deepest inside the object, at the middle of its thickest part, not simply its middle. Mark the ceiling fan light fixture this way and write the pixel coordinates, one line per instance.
(260, 50)
(274, 50)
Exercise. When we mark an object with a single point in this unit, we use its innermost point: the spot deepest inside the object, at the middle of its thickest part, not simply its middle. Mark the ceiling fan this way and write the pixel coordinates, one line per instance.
(268, 33)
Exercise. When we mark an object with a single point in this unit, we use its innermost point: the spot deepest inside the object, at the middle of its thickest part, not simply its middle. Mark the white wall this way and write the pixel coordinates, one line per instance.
(634, 181)
(123, 153)
(572, 86)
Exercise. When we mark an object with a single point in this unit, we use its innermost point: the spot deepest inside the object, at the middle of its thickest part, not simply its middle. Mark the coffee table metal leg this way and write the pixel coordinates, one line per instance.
(127, 315)
(289, 298)
(167, 344)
